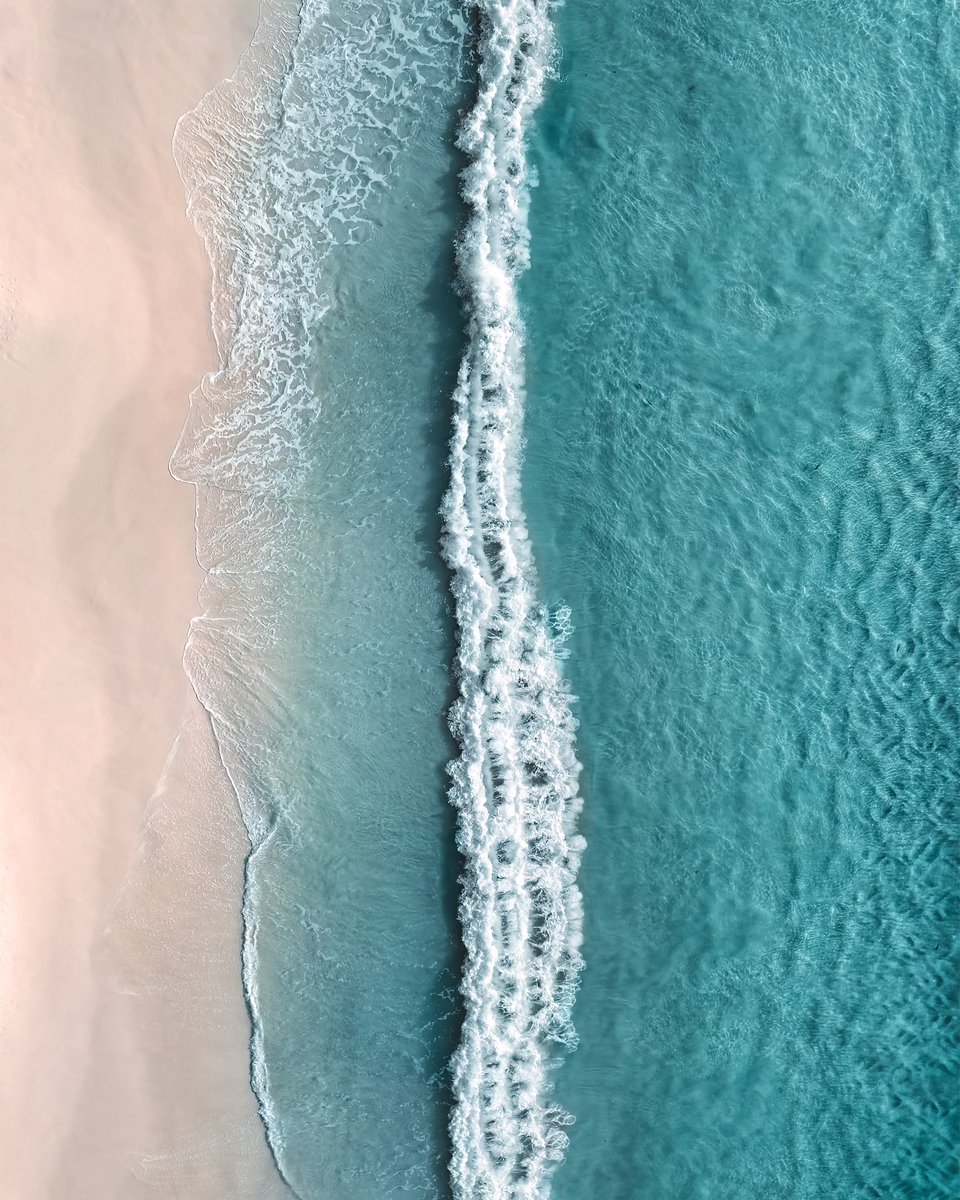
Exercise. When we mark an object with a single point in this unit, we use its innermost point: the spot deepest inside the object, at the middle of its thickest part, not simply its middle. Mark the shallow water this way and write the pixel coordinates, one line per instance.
(318, 451)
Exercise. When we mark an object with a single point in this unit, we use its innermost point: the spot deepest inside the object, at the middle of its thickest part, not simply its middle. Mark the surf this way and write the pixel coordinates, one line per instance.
(514, 784)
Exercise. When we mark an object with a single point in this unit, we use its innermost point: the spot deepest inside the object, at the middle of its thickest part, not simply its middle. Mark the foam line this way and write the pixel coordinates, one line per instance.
(515, 781)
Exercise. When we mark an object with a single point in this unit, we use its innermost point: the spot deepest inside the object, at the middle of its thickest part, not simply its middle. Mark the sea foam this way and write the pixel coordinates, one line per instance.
(515, 782)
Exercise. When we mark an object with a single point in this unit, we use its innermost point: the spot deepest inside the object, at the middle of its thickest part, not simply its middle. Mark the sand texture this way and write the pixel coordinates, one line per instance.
(123, 1033)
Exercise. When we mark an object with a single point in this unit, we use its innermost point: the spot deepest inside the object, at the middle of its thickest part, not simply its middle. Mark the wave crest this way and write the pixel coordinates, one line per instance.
(515, 782)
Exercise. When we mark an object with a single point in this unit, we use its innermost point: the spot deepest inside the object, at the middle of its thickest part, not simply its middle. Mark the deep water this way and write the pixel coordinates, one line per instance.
(742, 431)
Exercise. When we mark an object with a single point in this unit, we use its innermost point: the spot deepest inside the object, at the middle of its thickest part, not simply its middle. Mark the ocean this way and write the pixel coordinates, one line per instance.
(578, 493)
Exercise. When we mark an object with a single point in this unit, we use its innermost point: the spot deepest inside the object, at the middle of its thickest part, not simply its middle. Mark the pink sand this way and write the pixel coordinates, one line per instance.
(123, 1034)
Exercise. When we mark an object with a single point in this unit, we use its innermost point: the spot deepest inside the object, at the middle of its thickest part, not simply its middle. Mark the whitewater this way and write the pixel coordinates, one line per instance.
(515, 782)
(300, 174)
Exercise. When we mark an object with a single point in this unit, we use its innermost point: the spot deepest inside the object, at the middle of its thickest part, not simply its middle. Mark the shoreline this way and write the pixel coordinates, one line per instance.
(125, 1044)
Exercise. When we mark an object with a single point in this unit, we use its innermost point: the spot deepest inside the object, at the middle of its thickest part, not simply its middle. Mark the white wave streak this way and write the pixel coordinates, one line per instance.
(515, 782)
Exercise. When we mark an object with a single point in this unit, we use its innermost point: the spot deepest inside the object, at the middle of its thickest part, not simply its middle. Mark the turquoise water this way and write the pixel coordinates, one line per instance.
(742, 423)
(318, 451)
(735, 358)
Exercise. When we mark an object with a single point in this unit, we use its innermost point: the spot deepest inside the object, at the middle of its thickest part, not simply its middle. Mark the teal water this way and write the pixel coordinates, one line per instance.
(738, 376)
(742, 420)
(330, 206)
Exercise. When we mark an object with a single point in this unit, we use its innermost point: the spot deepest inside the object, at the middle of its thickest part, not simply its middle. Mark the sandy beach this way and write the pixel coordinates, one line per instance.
(123, 1032)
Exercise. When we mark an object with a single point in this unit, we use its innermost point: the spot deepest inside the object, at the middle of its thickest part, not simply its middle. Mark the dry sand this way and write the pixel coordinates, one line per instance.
(123, 1035)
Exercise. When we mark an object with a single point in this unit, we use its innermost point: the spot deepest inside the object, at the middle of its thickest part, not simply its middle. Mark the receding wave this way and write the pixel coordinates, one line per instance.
(282, 166)
(515, 782)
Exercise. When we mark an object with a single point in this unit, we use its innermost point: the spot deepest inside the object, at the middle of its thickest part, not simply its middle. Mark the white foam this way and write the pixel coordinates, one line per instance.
(282, 166)
(515, 782)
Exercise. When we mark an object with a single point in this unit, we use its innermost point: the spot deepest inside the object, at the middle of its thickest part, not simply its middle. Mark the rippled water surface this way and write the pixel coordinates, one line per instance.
(743, 419)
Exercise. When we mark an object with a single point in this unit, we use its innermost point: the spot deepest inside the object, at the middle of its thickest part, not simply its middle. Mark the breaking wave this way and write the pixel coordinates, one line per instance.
(515, 782)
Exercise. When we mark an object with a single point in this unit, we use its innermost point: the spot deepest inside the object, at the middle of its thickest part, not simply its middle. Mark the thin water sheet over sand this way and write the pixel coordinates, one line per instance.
(124, 1035)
